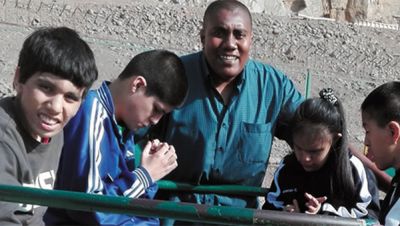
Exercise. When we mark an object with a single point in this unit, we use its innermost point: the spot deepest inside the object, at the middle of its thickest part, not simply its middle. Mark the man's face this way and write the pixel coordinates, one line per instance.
(141, 110)
(312, 149)
(381, 148)
(48, 103)
(226, 37)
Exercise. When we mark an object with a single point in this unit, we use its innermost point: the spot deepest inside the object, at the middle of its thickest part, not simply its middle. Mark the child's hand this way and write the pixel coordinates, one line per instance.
(314, 204)
(154, 146)
(159, 159)
(294, 207)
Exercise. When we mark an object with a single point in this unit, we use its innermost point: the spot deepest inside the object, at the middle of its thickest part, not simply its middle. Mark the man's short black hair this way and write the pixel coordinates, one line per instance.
(225, 4)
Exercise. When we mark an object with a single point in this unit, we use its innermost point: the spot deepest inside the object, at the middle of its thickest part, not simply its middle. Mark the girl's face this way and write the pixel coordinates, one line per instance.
(311, 147)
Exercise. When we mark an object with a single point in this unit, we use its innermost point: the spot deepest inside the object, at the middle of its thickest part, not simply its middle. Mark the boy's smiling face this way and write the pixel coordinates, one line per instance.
(382, 145)
(48, 102)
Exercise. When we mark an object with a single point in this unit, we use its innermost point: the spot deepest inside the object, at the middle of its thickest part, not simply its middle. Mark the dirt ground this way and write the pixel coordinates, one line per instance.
(351, 59)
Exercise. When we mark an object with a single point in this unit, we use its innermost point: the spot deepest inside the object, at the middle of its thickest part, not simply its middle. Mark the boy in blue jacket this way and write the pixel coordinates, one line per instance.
(98, 154)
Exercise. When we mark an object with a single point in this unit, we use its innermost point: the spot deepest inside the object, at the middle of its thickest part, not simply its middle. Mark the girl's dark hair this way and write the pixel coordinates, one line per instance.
(327, 112)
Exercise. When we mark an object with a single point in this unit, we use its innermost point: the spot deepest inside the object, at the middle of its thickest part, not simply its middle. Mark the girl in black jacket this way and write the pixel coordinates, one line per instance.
(321, 176)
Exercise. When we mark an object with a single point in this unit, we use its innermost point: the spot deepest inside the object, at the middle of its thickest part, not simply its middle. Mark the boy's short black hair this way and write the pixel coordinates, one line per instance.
(164, 73)
(59, 51)
(383, 104)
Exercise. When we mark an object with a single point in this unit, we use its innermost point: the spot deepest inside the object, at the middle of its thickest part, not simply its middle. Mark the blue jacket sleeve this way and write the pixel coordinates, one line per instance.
(93, 162)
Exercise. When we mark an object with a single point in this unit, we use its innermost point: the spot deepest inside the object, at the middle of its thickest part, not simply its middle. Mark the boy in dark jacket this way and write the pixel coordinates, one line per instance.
(380, 113)
(55, 69)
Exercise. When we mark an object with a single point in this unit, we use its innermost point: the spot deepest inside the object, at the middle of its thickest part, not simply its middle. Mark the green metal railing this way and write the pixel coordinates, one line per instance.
(165, 209)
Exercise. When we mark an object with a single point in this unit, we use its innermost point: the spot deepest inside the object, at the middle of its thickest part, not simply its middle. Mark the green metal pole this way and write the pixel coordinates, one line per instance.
(215, 189)
(308, 84)
(165, 209)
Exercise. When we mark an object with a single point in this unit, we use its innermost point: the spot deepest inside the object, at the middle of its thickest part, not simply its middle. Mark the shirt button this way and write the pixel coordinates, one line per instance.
(220, 149)
(224, 125)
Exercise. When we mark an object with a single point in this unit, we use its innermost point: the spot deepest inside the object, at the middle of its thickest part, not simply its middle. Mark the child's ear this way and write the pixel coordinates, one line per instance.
(16, 84)
(137, 82)
(394, 130)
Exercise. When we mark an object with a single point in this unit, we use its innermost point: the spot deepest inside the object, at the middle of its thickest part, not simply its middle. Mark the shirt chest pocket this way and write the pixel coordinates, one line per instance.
(255, 142)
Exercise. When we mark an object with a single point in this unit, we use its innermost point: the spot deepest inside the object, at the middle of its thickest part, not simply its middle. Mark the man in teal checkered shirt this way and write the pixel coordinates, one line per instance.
(235, 106)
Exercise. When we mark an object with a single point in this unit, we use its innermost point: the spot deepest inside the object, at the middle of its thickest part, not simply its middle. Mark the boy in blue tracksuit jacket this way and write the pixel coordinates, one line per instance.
(98, 154)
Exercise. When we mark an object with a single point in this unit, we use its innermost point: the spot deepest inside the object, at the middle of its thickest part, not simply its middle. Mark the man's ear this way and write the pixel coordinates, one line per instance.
(202, 36)
(394, 128)
(138, 82)
(16, 84)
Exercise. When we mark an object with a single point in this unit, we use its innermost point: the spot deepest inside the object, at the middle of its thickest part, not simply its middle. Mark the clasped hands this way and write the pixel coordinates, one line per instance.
(159, 159)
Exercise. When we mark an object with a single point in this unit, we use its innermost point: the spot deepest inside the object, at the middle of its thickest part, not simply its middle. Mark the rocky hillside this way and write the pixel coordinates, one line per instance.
(342, 10)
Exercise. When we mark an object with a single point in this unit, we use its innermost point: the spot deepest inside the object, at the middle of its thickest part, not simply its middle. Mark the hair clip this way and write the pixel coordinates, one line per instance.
(327, 94)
